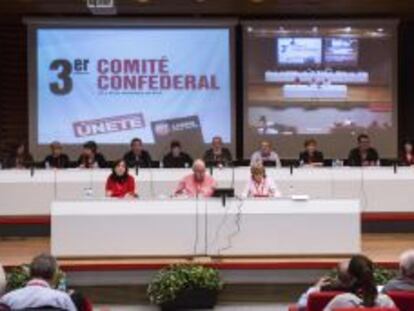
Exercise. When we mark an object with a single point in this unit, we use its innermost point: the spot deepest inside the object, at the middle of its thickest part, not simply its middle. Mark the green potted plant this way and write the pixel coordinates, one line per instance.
(20, 275)
(185, 286)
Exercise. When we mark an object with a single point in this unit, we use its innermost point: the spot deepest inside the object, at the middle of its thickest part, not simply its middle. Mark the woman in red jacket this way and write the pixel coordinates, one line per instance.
(120, 184)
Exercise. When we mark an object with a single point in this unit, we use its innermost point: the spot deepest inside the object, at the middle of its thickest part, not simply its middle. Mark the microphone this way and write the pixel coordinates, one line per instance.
(32, 169)
(211, 168)
(136, 168)
(395, 166)
(291, 168)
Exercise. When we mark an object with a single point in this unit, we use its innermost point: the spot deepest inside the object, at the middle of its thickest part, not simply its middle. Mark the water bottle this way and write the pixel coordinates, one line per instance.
(47, 165)
(161, 164)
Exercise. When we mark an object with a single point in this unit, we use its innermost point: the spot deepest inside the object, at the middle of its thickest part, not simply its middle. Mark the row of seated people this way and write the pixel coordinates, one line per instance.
(356, 287)
(41, 291)
(199, 183)
(137, 156)
(355, 284)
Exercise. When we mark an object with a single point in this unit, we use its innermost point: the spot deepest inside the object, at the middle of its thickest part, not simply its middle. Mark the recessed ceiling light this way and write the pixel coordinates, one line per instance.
(257, 1)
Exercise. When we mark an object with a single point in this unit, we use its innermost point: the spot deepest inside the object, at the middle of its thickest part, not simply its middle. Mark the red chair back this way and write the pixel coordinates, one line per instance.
(403, 300)
(319, 300)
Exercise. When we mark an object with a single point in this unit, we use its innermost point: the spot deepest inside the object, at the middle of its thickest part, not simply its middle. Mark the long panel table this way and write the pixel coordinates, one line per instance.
(112, 228)
(378, 188)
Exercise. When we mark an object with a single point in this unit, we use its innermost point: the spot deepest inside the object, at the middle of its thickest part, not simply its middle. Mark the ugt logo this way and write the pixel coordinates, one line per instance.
(64, 70)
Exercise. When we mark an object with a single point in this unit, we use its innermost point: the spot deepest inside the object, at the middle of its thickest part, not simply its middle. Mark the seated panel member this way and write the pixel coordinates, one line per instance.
(57, 159)
(217, 154)
(265, 154)
(120, 184)
(260, 185)
(20, 158)
(364, 154)
(199, 183)
(176, 157)
(407, 154)
(311, 156)
(137, 156)
(90, 157)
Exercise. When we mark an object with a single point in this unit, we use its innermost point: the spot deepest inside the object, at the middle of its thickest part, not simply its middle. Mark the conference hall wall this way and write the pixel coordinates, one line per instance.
(258, 96)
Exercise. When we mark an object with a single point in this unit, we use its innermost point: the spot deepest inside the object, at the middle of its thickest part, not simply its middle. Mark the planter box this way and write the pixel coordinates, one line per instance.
(198, 298)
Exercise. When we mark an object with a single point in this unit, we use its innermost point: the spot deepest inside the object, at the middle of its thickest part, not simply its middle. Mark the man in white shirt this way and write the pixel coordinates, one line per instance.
(265, 154)
(38, 292)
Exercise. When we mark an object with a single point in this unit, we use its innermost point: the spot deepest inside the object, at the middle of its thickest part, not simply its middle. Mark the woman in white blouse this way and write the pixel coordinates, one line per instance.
(260, 185)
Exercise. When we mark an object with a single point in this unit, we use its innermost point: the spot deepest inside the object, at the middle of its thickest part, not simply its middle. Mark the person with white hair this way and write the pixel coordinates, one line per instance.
(199, 183)
(405, 280)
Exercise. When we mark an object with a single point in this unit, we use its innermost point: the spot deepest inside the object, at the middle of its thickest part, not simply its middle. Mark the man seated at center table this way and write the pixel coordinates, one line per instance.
(197, 184)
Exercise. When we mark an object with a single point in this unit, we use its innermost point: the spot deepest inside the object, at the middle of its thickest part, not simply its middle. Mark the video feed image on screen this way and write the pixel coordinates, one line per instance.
(319, 81)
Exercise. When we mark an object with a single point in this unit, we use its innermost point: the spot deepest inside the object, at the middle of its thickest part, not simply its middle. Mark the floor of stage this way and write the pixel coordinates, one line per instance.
(382, 248)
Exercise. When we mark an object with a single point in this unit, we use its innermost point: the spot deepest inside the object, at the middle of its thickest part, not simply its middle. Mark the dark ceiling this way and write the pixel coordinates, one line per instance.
(217, 7)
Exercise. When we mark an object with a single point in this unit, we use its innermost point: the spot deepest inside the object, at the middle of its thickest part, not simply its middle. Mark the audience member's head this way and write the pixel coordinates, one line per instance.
(44, 267)
(407, 264)
(136, 145)
(119, 170)
(175, 148)
(199, 170)
(408, 146)
(258, 172)
(90, 148)
(342, 270)
(364, 142)
(310, 145)
(361, 269)
(265, 148)
(217, 143)
(56, 148)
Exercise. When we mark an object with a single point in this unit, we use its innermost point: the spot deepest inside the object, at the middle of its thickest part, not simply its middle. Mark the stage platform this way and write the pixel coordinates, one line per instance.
(384, 249)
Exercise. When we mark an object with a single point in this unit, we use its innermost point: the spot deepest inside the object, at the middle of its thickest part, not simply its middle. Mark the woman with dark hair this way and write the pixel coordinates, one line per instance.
(90, 157)
(363, 292)
(120, 184)
(20, 158)
(407, 153)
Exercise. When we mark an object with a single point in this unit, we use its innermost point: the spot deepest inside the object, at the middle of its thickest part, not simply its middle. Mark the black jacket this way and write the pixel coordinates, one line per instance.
(99, 159)
(170, 161)
(224, 159)
(143, 160)
(306, 158)
(355, 158)
(62, 161)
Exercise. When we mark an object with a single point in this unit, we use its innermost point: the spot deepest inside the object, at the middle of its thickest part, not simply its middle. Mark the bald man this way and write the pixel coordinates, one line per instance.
(197, 184)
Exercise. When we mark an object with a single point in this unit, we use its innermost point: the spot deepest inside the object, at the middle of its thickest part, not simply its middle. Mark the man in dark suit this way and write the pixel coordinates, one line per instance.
(176, 157)
(364, 154)
(56, 159)
(217, 154)
(137, 156)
